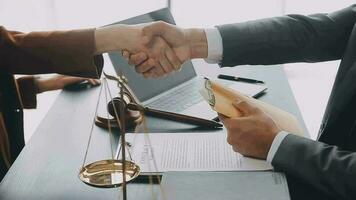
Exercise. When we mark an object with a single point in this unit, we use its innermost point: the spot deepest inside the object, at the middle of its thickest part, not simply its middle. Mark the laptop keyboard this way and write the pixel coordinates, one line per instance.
(179, 99)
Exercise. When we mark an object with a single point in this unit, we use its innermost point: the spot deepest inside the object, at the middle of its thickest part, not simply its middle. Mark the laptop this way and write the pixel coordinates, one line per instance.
(178, 92)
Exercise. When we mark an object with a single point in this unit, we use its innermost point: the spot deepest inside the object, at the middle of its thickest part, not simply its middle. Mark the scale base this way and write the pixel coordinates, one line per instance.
(108, 173)
(131, 123)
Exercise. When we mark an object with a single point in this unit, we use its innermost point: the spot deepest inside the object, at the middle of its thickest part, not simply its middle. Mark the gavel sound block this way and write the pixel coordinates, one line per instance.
(132, 117)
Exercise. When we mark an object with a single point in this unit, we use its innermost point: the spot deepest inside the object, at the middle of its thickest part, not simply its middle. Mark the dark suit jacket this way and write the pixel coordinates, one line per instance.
(65, 52)
(323, 169)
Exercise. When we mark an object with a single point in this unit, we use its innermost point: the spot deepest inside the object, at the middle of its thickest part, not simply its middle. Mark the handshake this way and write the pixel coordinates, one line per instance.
(155, 49)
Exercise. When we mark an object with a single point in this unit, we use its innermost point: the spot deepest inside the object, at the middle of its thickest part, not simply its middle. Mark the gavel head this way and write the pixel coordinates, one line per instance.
(116, 102)
(132, 117)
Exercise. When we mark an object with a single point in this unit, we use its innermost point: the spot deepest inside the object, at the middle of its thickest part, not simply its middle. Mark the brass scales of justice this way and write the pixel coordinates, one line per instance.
(115, 172)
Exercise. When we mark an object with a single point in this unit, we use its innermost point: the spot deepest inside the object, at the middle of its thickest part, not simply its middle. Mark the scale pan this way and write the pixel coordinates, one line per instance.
(108, 173)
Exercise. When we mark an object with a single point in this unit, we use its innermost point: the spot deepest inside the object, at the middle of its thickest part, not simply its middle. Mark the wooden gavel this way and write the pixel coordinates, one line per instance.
(134, 111)
(132, 117)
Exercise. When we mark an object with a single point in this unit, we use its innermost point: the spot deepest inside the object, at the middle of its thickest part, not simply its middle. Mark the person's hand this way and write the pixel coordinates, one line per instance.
(60, 81)
(186, 44)
(253, 133)
(131, 38)
(161, 59)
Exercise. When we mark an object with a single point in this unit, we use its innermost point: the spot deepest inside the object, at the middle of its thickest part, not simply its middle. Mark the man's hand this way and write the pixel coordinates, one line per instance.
(186, 44)
(253, 133)
(60, 81)
(149, 50)
(160, 55)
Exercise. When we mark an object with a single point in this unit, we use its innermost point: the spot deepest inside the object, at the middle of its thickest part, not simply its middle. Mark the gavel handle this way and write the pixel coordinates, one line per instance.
(182, 118)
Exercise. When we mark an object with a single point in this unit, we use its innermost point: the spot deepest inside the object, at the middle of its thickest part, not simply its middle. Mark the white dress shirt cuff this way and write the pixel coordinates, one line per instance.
(215, 45)
(275, 145)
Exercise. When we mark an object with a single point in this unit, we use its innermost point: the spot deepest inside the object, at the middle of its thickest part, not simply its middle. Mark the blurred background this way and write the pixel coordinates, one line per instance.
(311, 83)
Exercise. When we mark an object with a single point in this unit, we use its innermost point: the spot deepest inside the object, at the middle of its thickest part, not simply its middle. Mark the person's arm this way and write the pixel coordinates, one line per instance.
(76, 52)
(30, 86)
(291, 38)
(65, 52)
(326, 167)
(28, 90)
(286, 39)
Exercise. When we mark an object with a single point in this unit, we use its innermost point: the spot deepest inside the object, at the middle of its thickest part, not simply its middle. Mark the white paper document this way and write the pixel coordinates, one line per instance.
(161, 152)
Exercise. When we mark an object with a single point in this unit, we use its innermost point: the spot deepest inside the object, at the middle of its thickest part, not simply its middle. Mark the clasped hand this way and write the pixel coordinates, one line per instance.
(154, 52)
(155, 49)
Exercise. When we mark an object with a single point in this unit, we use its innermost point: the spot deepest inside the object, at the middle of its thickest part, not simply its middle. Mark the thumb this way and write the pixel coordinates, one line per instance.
(153, 29)
(245, 107)
(71, 80)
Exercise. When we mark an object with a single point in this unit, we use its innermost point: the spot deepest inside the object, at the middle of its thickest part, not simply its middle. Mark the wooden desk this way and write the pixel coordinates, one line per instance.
(47, 167)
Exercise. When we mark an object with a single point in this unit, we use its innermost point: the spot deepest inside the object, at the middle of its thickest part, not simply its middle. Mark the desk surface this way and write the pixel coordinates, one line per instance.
(47, 167)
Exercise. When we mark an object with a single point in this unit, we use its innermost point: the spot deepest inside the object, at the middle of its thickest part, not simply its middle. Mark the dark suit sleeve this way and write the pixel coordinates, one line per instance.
(327, 168)
(286, 39)
(27, 87)
(64, 52)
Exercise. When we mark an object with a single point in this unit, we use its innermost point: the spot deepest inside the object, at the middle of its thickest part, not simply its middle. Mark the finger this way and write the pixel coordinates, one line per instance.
(229, 123)
(153, 29)
(94, 81)
(149, 74)
(158, 71)
(138, 58)
(97, 81)
(236, 125)
(126, 54)
(71, 79)
(91, 82)
(232, 137)
(173, 59)
(146, 66)
(245, 107)
(225, 120)
(165, 63)
(229, 138)
(235, 148)
(145, 75)
(222, 117)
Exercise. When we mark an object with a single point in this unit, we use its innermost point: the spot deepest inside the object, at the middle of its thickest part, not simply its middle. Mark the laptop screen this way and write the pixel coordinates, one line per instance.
(148, 88)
